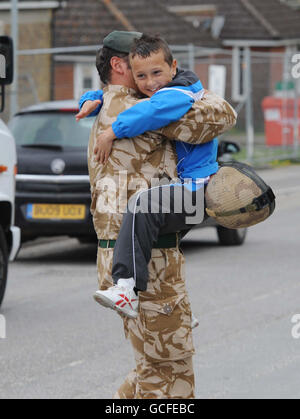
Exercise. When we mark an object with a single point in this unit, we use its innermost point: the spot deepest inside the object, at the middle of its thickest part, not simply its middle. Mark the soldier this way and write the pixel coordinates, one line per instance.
(172, 92)
(161, 335)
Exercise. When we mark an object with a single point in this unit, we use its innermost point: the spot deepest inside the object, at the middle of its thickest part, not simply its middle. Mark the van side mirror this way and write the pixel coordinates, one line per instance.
(6, 60)
(6, 66)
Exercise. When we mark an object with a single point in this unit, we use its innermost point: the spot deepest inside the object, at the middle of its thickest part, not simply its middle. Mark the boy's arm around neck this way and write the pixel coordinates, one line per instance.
(175, 115)
(152, 114)
(178, 117)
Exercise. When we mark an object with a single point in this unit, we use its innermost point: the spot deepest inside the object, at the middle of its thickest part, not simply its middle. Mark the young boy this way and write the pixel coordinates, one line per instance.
(172, 94)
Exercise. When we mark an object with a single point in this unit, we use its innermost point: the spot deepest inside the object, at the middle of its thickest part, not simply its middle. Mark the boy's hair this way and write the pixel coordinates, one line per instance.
(148, 44)
(103, 58)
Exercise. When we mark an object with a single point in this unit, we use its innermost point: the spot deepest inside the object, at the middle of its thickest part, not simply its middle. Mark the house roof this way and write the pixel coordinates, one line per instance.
(88, 22)
(252, 19)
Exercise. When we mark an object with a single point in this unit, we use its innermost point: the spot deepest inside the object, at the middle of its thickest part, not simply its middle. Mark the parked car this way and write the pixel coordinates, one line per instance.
(9, 234)
(52, 185)
(53, 191)
(227, 236)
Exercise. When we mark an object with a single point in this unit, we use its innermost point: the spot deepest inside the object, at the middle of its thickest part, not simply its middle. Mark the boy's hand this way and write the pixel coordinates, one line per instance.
(88, 107)
(104, 145)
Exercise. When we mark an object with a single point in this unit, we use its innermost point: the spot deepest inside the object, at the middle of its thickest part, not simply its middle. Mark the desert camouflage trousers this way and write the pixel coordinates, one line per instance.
(161, 336)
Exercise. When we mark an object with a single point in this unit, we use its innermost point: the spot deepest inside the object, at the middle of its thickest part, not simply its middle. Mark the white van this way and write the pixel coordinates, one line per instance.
(9, 234)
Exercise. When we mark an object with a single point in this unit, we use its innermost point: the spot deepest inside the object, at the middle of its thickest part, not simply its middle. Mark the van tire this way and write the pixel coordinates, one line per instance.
(3, 264)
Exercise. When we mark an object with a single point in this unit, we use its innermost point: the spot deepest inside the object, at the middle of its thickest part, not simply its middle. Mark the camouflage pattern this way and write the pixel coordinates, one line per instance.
(228, 191)
(209, 117)
(161, 336)
(128, 389)
(181, 387)
(132, 165)
(135, 162)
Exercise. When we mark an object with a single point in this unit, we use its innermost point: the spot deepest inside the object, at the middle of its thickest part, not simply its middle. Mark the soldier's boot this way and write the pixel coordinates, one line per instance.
(120, 297)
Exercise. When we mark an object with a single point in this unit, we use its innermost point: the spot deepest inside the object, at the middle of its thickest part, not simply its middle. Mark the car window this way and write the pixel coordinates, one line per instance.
(53, 128)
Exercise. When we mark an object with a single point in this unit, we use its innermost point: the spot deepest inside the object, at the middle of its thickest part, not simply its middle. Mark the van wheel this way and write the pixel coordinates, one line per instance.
(3, 264)
(231, 237)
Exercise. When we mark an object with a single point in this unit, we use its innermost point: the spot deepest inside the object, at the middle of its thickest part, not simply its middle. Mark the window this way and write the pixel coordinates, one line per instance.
(87, 83)
(57, 128)
(86, 78)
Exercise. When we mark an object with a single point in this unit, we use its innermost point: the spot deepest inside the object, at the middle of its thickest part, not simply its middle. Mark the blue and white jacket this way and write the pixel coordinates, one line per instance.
(165, 106)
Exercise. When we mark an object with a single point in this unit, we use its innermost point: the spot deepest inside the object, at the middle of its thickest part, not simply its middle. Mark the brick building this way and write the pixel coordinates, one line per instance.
(267, 27)
(87, 23)
(35, 31)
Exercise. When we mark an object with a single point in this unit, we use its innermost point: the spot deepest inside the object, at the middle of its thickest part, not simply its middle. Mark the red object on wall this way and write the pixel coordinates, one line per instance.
(279, 116)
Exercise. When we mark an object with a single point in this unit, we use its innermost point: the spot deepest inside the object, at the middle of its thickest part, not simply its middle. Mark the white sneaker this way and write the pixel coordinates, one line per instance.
(121, 298)
(194, 322)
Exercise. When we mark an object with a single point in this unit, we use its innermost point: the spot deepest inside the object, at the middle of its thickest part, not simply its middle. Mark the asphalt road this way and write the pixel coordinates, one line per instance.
(60, 344)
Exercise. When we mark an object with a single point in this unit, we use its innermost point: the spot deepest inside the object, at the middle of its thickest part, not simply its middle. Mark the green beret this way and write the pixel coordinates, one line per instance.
(121, 40)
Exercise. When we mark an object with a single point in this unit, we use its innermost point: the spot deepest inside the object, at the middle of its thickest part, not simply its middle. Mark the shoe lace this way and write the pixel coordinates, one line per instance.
(119, 288)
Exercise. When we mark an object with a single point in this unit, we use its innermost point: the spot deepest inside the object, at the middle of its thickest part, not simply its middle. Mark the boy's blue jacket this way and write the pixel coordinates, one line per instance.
(165, 106)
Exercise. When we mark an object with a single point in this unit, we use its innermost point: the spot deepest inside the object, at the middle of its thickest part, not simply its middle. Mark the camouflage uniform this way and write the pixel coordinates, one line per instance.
(161, 335)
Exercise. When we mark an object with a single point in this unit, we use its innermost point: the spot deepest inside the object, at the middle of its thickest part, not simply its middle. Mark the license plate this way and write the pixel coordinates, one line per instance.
(56, 212)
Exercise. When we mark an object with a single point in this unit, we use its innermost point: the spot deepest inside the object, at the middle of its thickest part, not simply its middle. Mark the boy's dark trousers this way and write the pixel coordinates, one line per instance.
(153, 218)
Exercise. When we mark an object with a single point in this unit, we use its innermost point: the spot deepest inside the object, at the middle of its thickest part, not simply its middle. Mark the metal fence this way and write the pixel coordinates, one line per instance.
(267, 129)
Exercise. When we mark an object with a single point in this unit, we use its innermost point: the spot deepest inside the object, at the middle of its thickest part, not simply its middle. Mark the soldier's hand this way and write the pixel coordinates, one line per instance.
(104, 145)
(87, 108)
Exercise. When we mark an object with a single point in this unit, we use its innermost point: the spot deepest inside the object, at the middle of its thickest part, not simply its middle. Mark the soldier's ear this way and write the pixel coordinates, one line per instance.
(117, 65)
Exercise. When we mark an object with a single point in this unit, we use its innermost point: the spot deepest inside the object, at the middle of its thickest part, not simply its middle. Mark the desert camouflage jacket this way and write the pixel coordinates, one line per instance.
(138, 163)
